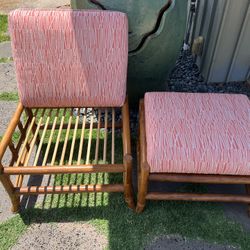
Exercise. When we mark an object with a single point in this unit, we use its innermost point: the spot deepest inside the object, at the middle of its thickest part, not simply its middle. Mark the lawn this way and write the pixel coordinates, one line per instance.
(6, 59)
(3, 28)
(124, 228)
(9, 96)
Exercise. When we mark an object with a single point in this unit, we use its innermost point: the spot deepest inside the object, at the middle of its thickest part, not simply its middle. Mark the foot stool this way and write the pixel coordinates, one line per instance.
(193, 138)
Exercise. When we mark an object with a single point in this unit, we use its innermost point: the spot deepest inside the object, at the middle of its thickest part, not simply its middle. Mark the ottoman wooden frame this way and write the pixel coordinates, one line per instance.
(29, 136)
(144, 176)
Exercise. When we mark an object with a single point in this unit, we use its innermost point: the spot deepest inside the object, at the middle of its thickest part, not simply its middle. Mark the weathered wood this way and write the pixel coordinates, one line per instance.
(200, 178)
(198, 197)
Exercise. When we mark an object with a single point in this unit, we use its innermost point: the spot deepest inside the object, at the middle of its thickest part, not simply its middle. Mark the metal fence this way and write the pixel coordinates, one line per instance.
(225, 27)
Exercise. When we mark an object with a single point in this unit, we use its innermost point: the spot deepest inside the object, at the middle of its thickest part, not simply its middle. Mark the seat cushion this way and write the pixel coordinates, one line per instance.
(198, 133)
(66, 58)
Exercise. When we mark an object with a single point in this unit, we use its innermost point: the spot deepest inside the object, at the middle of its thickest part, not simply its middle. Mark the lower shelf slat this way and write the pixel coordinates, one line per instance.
(198, 197)
(69, 189)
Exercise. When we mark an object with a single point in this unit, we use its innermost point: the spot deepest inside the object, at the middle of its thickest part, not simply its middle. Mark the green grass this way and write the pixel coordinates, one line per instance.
(6, 59)
(125, 229)
(3, 28)
(9, 96)
(111, 216)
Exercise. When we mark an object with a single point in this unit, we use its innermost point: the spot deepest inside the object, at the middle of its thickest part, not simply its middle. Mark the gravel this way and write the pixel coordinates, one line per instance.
(186, 77)
(63, 236)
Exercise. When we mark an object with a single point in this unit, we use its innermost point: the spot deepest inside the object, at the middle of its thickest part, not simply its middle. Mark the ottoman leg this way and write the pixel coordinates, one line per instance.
(142, 189)
(248, 192)
(128, 182)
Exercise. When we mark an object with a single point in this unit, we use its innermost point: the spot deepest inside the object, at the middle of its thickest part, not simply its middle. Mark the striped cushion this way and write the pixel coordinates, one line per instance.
(198, 133)
(67, 58)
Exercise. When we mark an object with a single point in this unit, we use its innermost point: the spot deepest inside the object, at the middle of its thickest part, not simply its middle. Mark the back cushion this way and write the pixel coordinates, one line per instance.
(66, 58)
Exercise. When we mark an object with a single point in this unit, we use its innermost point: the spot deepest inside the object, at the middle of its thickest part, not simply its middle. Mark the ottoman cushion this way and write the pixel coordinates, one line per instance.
(198, 133)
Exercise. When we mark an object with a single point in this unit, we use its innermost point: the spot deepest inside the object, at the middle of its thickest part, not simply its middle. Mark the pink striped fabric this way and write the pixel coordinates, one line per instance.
(66, 58)
(198, 133)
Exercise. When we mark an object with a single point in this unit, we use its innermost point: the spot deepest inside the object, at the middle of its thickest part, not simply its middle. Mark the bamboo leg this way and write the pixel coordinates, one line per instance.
(248, 192)
(127, 159)
(143, 166)
(142, 189)
(15, 199)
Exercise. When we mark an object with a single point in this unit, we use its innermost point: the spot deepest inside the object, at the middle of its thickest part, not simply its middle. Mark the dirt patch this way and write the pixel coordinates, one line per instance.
(175, 242)
(62, 236)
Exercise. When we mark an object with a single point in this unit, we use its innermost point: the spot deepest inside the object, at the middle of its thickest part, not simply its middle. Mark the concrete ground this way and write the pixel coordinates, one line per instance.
(7, 5)
(57, 236)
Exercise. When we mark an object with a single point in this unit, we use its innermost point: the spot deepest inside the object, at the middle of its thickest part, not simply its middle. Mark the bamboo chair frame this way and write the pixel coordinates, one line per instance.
(145, 176)
(32, 133)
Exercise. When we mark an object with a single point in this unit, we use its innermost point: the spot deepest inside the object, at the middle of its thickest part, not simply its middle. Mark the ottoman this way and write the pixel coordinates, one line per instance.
(194, 138)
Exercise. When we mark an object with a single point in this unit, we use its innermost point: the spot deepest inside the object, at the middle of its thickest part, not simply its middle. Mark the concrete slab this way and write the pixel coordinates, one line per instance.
(7, 77)
(5, 49)
(62, 236)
